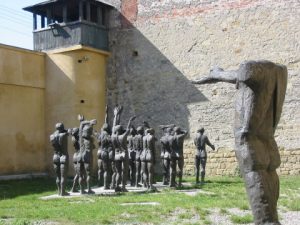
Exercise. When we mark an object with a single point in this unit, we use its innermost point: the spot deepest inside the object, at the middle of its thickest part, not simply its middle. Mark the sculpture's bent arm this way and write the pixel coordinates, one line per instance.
(209, 143)
(218, 75)
(167, 126)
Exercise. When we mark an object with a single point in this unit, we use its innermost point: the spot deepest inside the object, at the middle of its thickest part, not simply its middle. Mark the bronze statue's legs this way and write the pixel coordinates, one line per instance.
(145, 174)
(132, 171)
(200, 162)
(119, 172)
(75, 181)
(263, 191)
(202, 166)
(166, 171)
(57, 172)
(150, 168)
(180, 168)
(197, 166)
(87, 167)
(76, 178)
(173, 172)
(81, 177)
(100, 172)
(124, 173)
(63, 173)
(107, 173)
(138, 172)
(261, 179)
(114, 175)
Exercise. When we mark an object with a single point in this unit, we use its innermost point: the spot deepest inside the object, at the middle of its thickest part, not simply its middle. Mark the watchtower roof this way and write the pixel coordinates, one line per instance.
(41, 8)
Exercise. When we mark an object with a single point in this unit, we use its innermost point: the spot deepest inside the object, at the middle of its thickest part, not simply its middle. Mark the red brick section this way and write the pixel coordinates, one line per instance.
(129, 10)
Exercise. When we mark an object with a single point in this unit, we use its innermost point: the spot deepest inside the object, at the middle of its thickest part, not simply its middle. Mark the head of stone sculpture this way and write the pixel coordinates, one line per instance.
(132, 131)
(201, 130)
(87, 131)
(105, 127)
(60, 127)
(74, 131)
(169, 130)
(177, 130)
(140, 130)
(150, 131)
(119, 130)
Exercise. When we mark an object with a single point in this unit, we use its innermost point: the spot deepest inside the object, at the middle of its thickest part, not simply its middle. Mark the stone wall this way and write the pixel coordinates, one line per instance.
(223, 162)
(158, 46)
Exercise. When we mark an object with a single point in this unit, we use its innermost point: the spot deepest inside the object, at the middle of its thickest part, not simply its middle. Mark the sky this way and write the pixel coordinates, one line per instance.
(16, 24)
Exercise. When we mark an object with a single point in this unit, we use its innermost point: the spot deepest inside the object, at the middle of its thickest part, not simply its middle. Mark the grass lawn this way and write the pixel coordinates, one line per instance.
(20, 204)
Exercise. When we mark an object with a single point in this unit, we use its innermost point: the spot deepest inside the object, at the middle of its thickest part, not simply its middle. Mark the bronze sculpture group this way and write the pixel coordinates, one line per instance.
(122, 154)
(261, 89)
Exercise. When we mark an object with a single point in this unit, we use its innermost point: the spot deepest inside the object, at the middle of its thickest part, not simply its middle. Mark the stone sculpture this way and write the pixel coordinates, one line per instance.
(76, 157)
(131, 155)
(165, 154)
(86, 143)
(138, 148)
(105, 154)
(179, 136)
(119, 141)
(261, 90)
(200, 141)
(148, 158)
(59, 141)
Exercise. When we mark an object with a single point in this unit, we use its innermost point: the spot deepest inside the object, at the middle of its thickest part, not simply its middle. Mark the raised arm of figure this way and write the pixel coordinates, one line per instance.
(128, 126)
(106, 115)
(129, 122)
(117, 116)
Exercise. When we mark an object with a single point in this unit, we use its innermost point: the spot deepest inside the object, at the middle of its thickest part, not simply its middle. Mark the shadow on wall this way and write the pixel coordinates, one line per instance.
(143, 80)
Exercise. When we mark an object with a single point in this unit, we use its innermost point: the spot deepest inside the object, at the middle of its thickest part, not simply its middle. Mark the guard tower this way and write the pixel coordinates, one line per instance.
(64, 23)
(74, 36)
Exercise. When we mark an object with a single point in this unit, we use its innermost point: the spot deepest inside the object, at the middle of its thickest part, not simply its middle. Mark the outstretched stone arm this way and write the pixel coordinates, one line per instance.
(167, 126)
(218, 75)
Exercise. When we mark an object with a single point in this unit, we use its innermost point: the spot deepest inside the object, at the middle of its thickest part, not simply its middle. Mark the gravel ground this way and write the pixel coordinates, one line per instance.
(215, 216)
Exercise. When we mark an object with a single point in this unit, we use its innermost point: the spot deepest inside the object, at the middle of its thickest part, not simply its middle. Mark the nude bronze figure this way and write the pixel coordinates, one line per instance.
(200, 141)
(119, 141)
(59, 141)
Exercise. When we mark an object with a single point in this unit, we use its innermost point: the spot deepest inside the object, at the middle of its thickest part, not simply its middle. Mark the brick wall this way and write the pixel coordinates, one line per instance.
(159, 46)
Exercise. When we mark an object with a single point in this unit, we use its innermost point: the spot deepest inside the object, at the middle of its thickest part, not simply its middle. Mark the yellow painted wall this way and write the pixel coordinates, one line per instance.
(22, 132)
(37, 90)
(72, 75)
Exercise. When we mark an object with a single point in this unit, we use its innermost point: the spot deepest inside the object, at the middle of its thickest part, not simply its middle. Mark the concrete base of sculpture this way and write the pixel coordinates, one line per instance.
(104, 192)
